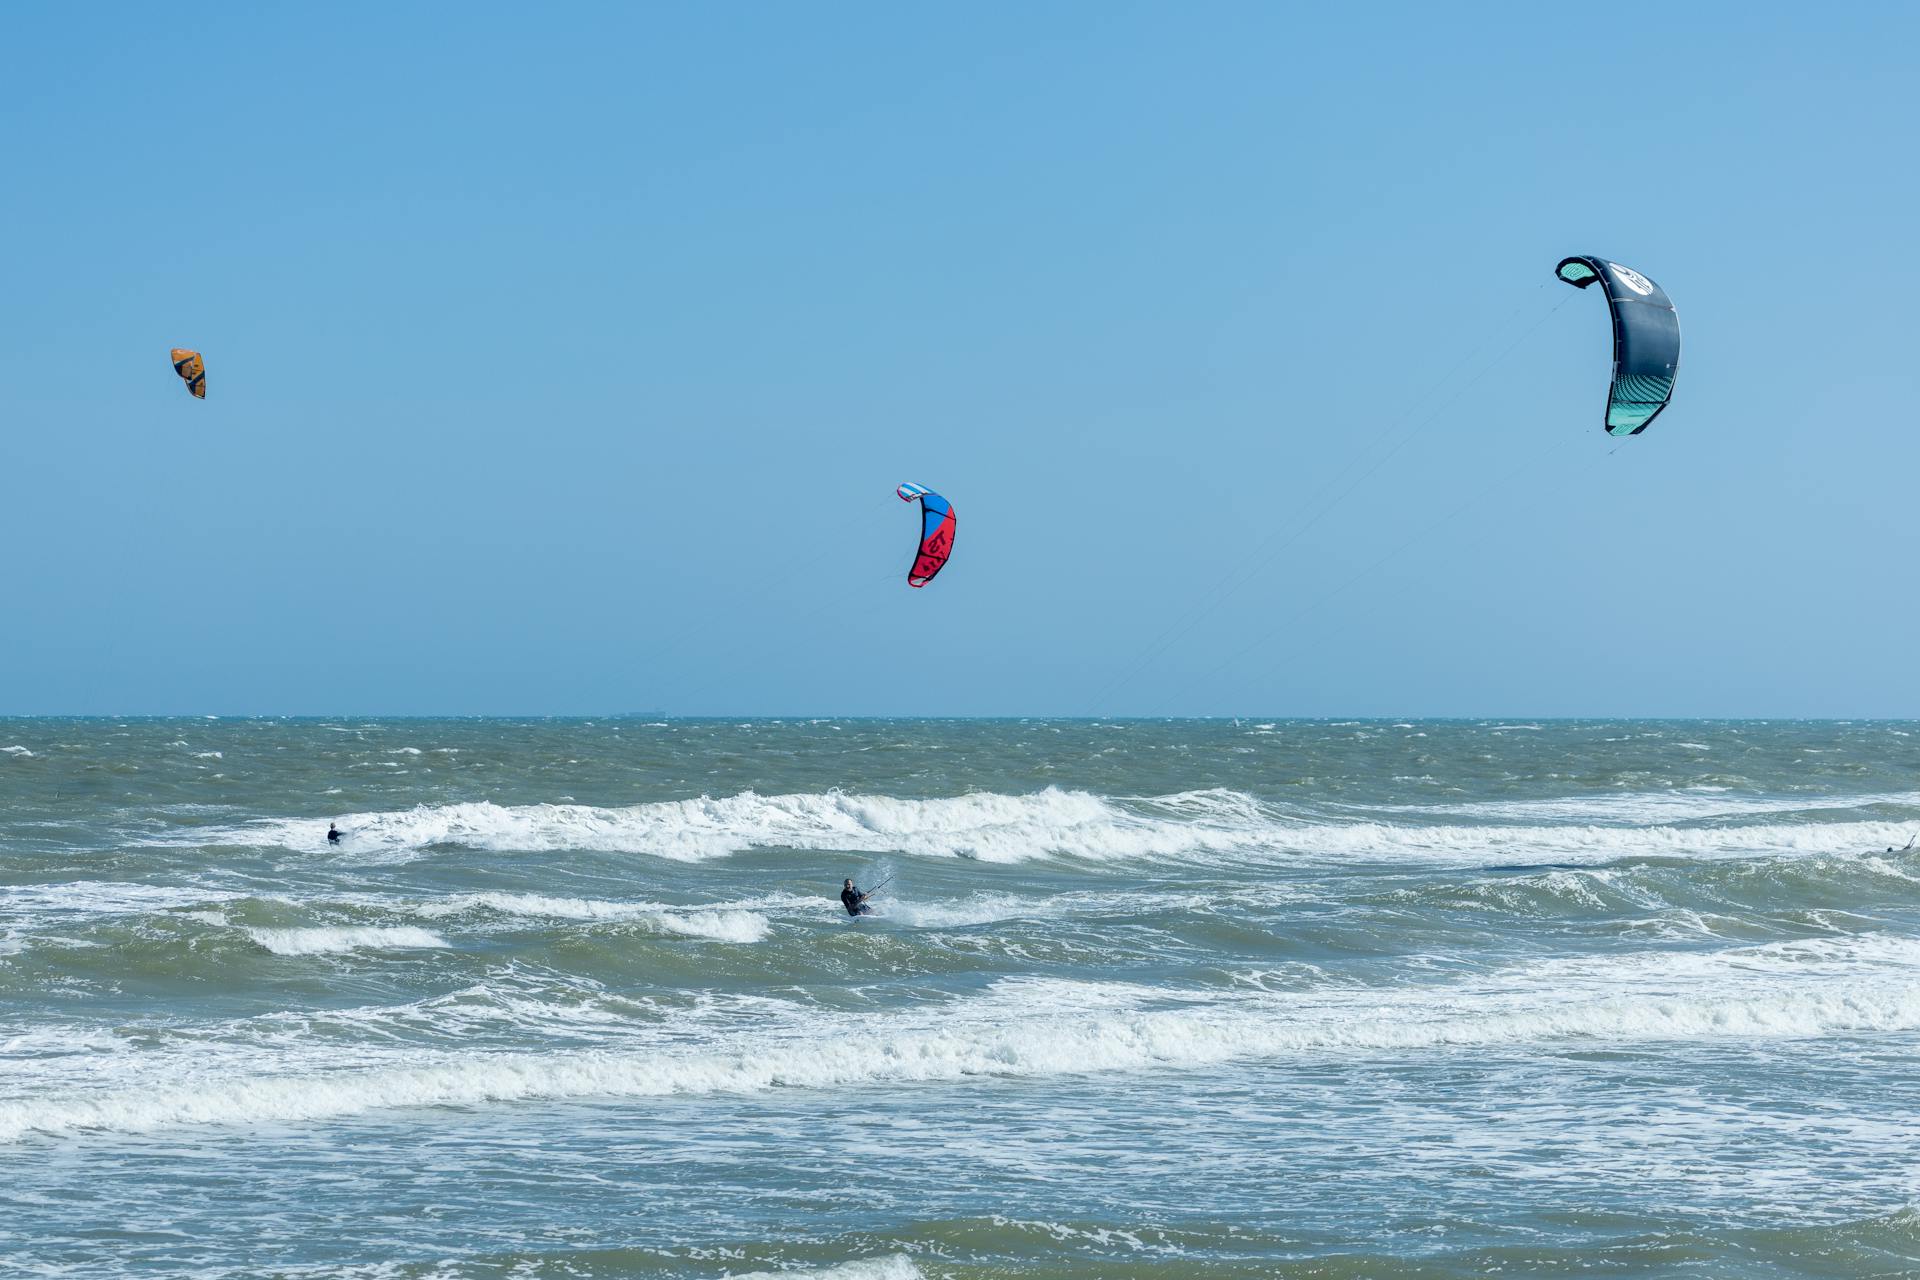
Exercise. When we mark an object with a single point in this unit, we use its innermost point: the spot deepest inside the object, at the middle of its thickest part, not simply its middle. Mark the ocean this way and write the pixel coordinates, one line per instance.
(1139, 999)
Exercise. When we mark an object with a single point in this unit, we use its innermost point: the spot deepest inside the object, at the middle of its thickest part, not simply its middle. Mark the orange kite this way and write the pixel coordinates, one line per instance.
(190, 366)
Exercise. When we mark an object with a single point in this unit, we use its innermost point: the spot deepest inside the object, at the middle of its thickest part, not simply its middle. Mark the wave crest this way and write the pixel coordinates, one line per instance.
(1196, 826)
(325, 940)
(1047, 1028)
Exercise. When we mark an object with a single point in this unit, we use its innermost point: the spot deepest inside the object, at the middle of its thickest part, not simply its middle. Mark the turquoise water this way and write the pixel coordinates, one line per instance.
(1142, 999)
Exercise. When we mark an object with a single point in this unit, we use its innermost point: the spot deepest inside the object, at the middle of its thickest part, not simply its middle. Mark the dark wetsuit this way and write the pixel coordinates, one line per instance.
(855, 902)
(333, 835)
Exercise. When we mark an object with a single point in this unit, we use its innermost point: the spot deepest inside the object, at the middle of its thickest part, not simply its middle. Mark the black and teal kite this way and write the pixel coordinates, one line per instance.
(1646, 341)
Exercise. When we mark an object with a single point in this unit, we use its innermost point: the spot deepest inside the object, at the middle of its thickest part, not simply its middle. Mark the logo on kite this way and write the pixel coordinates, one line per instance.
(192, 369)
(1631, 278)
(936, 533)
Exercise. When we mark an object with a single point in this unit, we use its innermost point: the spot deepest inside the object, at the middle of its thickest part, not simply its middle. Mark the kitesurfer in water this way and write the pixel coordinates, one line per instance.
(333, 834)
(853, 900)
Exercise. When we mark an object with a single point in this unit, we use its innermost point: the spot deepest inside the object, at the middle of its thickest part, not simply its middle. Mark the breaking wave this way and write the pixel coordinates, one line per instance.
(323, 940)
(984, 826)
(102, 897)
(1643, 807)
(724, 924)
(1199, 826)
(896, 1267)
(1044, 1028)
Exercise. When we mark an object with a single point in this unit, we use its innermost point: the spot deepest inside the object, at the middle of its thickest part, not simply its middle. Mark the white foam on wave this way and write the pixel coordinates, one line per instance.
(985, 826)
(722, 923)
(1645, 807)
(105, 897)
(328, 939)
(15, 750)
(1004, 908)
(1214, 826)
(722, 926)
(896, 1267)
(979, 909)
(505, 1010)
(1483, 846)
(538, 906)
(1019, 1028)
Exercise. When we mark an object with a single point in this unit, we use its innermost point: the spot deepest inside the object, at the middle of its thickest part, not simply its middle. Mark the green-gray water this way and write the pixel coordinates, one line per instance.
(1142, 999)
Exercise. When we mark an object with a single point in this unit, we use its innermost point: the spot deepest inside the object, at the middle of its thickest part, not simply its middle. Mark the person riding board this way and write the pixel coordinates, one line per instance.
(333, 834)
(853, 900)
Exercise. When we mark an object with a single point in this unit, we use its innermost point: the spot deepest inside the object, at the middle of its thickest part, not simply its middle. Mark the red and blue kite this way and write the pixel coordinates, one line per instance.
(936, 533)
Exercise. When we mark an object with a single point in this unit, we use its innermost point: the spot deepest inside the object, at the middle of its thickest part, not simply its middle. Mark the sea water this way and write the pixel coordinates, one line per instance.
(1139, 998)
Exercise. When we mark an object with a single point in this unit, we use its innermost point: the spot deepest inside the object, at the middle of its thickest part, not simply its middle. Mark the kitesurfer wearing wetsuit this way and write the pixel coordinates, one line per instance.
(333, 834)
(853, 900)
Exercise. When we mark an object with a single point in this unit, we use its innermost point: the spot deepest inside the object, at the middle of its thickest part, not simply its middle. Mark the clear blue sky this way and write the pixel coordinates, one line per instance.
(564, 360)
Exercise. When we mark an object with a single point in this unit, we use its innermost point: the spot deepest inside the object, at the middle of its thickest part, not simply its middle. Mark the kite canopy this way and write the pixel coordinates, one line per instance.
(1646, 341)
(936, 533)
(190, 366)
